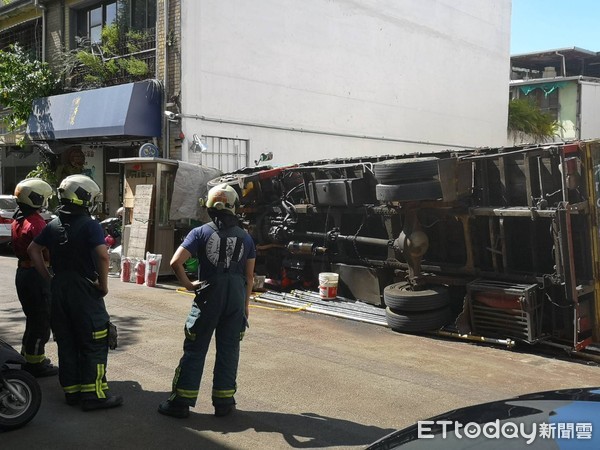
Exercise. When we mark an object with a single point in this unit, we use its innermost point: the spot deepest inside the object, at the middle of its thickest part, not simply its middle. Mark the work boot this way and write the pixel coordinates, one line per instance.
(174, 408)
(92, 403)
(43, 369)
(73, 398)
(224, 410)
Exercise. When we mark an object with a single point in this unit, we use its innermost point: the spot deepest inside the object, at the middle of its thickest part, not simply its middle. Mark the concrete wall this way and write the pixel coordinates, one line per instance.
(168, 54)
(316, 79)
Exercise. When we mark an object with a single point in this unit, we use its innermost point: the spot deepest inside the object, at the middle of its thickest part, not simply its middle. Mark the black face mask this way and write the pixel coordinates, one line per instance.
(75, 210)
(23, 211)
(223, 219)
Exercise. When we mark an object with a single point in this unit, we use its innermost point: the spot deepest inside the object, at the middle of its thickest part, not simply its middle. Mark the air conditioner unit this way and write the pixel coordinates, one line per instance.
(549, 72)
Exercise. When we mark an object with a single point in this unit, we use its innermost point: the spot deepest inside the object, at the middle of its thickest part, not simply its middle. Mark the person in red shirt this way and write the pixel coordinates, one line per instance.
(33, 291)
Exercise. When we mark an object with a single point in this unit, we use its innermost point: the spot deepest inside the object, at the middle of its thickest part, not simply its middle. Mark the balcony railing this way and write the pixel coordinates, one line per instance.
(28, 36)
(132, 59)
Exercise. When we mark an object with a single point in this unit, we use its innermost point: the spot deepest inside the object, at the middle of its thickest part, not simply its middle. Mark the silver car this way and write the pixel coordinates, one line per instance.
(8, 205)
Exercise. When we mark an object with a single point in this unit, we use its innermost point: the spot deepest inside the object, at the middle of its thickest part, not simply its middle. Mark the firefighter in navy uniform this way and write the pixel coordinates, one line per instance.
(79, 260)
(33, 290)
(226, 255)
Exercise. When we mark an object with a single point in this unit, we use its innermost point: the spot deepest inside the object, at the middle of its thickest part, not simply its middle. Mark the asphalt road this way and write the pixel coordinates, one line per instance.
(305, 380)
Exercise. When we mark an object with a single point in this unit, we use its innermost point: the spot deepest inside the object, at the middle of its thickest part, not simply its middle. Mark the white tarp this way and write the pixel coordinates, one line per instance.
(188, 188)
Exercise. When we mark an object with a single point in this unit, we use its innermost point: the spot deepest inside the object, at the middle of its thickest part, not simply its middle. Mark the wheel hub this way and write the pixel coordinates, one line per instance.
(10, 405)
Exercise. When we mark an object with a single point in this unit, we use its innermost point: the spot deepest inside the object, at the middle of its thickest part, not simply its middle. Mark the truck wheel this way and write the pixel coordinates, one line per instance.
(231, 179)
(399, 296)
(417, 322)
(393, 171)
(417, 190)
(236, 181)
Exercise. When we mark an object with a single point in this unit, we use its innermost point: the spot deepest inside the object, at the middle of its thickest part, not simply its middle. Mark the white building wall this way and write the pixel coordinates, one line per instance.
(590, 110)
(314, 79)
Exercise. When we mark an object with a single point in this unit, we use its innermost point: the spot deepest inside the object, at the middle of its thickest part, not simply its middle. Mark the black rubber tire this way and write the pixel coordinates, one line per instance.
(232, 179)
(237, 182)
(417, 322)
(13, 414)
(417, 190)
(393, 171)
(398, 296)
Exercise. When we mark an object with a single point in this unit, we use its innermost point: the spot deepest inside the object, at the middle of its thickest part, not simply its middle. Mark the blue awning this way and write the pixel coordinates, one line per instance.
(132, 109)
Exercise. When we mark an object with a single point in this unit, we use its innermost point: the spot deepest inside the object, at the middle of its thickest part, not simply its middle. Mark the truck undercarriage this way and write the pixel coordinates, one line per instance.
(489, 242)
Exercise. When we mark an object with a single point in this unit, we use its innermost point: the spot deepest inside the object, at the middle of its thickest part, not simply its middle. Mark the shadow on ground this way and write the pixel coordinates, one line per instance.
(14, 324)
(127, 328)
(137, 424)
(305, 430)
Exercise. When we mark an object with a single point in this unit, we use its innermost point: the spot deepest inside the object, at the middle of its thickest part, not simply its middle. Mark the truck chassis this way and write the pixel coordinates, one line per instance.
(489, 242)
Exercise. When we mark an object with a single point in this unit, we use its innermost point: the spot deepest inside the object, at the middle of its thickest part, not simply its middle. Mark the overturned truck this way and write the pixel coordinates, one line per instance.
(490, 243)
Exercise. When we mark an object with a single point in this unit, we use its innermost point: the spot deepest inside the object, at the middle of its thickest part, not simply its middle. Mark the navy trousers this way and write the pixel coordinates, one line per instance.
(218, 309)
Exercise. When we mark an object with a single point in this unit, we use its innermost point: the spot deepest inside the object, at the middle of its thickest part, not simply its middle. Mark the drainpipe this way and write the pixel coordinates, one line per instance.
(564, 64)
(43, 9)
(167, 133)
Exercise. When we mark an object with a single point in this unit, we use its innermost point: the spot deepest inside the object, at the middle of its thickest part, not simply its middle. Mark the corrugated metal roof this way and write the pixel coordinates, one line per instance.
(577, 61)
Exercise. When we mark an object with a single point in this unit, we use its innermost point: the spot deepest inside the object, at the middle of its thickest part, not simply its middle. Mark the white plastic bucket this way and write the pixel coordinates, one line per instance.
(328, 285)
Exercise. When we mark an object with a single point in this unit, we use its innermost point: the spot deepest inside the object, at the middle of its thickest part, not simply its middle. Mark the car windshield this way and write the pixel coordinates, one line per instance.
(8, 203)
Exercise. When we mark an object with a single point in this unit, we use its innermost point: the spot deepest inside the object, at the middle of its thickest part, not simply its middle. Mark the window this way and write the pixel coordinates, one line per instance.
(547, 102)
(142, 14)
(545, 96)
(90, 21)
(130, 14)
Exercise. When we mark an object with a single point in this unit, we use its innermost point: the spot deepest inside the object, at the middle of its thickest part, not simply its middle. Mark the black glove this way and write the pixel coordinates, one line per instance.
(112, 336)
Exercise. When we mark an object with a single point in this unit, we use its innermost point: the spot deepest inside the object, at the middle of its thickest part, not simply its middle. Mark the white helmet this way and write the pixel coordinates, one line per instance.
(78, 190)
(223, 198)
(33, 192)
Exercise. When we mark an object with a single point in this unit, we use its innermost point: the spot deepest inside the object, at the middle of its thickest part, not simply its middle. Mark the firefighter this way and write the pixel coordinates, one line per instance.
(226, 255)
(33, 291)
(79, 260)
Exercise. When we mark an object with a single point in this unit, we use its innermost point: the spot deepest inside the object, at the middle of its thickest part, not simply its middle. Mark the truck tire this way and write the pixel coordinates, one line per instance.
(236, 181)
(417, 322)
(400, 297)
(393, 171)
(231, 179)
(406, 192)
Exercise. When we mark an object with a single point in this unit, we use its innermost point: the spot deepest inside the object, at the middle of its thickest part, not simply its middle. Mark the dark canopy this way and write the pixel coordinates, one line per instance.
(132, 109)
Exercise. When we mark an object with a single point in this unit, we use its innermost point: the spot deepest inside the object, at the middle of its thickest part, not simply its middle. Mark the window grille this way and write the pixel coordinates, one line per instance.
(223, 153)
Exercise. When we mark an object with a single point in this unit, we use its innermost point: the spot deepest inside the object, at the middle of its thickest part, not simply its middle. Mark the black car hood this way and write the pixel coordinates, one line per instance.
(562, 419)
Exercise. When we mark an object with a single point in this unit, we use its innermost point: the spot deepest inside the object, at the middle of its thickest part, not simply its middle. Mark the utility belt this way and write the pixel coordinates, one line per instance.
(27, 264)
